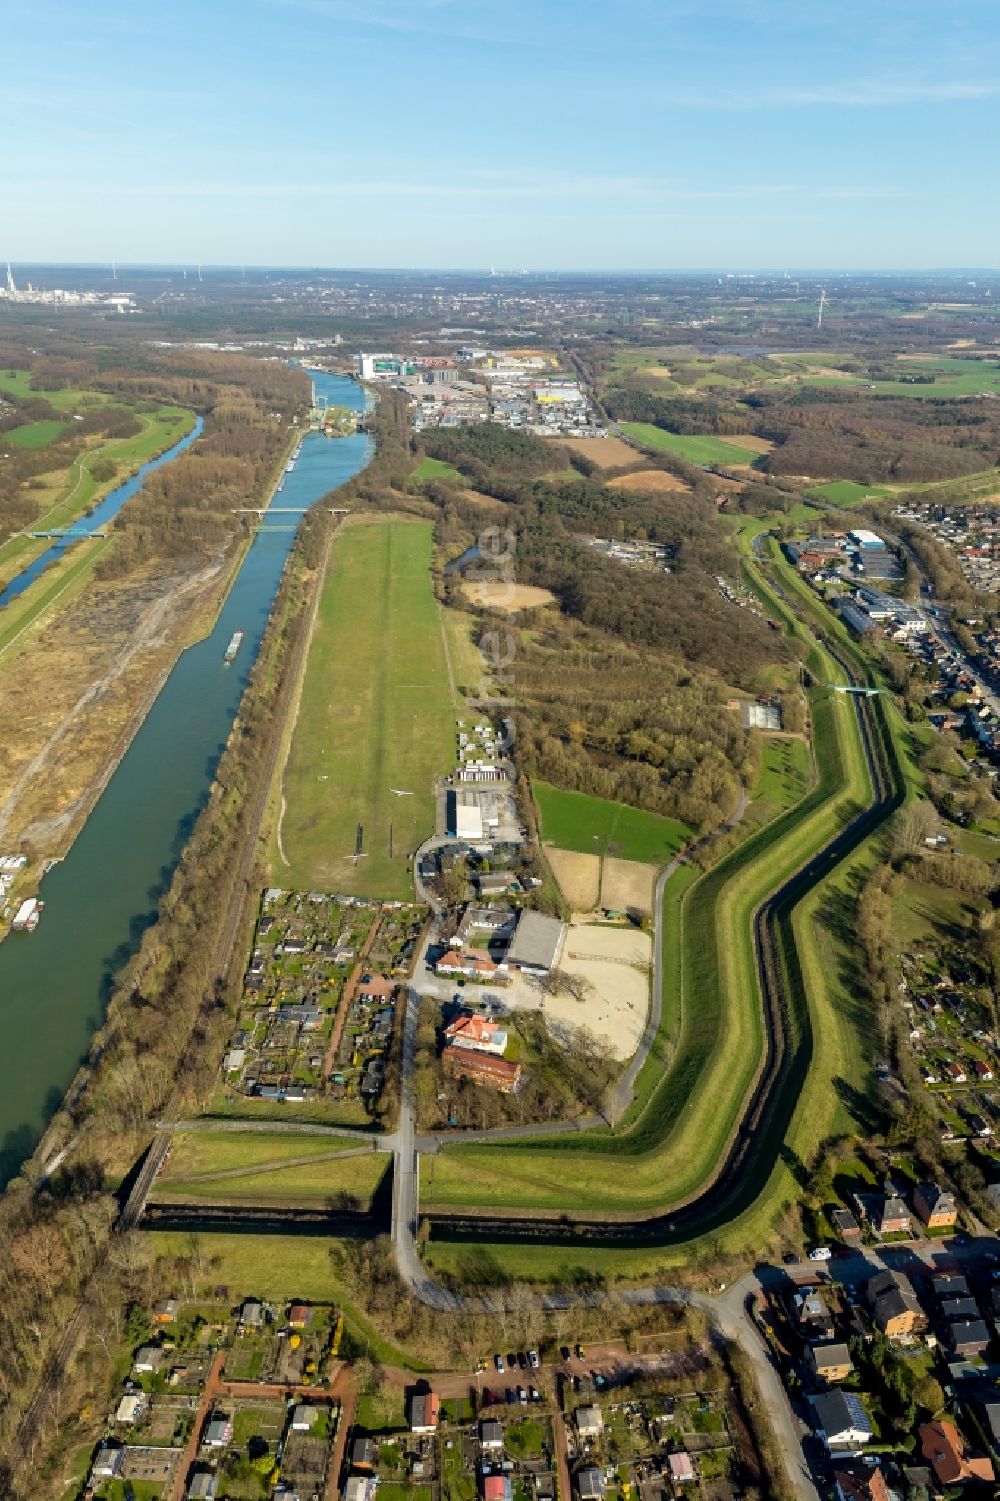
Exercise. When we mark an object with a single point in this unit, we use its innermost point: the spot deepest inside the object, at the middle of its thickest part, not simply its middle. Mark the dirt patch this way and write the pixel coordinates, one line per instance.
(606, 453)
(614, 961)
(508, 597)
(648, 482)
(748, 441)
(578, 877)
(73, 691)
(627, 885)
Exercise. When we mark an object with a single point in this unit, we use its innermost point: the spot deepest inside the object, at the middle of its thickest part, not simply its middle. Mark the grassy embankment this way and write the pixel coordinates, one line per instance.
(596, 826)
(375, 723)
(713, 1051)
(226, 1167)
(835, 1052)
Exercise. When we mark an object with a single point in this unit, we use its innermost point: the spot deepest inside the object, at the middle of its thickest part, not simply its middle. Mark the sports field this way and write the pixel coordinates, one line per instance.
(697, 449)
(595, 826)
(375, 724)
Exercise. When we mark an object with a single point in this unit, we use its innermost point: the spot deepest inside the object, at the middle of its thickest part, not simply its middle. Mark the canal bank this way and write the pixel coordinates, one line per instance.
(55, 983)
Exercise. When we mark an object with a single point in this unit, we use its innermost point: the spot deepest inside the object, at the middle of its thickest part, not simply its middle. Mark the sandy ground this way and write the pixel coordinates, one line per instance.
(627, 884)
(578, 876)
(616, 961)
(505, 596)
(609, 453)
(748, 441)
(484, 502)
(649, 482)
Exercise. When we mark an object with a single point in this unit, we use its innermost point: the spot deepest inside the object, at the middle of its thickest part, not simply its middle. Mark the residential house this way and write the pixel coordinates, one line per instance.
(497, 1488)
(830, 1361)
(888, 1214)
(166, 1311)
(473, 965)
(968, 1336)
(108, 1461)
(218, 1431)
(846, 1225)
(860, 1482)
(147, 1359)
(812, 1315)
(300, 1316)
(482, 1068)
(934, 1206)
(131, 1408)
(942, 1444)
(894, 1306)
(251, 1314)
(363, 1454)
(490, 1436)
(682, 1471)
(302, 1417)
(537, 943)
(590, 1484)
(203, 1486)
(360, 1488)
(476, 1032)
(589, 1422)
(842, 1422)
(425, 1412)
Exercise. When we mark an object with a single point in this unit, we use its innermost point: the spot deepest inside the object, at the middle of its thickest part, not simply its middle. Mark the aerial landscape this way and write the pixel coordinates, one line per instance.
(499, 753)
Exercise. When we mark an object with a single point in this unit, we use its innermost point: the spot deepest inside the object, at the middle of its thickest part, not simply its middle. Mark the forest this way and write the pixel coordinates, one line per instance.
(622, 692)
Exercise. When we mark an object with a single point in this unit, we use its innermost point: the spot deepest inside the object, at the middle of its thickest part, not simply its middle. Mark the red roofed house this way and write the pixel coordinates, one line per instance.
(860, 1482)
(497, 1488)
(477, 1032)
(425, 1412)
(473, 965)
(942, 1444)
(482, 1068)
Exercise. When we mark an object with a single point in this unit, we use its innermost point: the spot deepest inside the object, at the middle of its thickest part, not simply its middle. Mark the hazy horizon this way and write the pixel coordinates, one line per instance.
(747, 134)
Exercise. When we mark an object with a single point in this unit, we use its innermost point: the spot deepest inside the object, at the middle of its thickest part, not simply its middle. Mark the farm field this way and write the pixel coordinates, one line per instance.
(627, 885)
(952, 377)
(375, 719)
(595, 826)
(845, 492)
(649, 482)
(696, 449)
(606, 453)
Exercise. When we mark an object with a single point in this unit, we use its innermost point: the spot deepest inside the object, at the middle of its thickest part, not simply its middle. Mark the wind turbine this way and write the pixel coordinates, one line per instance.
(822, 305)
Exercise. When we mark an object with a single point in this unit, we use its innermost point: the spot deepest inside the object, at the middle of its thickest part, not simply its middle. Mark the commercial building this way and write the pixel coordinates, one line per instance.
(537, 944)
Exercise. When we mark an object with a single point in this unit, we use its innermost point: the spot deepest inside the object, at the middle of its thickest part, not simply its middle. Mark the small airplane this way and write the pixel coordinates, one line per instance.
(400, 792)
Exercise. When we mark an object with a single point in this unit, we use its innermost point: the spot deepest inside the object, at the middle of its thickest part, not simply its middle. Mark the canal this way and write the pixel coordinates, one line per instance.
(55, 982)
(101, 516)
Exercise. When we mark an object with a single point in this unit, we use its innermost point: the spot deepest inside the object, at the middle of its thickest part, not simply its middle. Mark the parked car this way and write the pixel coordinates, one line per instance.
(580, 1352)
(820, 1253)
(511, 1394)
(498, 1362)
(534, 1394)
(533, 1360)
(522, 1396)
(566, 1353)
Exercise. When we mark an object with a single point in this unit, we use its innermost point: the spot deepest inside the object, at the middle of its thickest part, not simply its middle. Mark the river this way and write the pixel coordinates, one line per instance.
(103, 513)
(55, 982)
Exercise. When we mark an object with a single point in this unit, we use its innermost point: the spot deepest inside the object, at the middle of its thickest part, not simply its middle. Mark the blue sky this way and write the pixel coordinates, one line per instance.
(538, 133)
